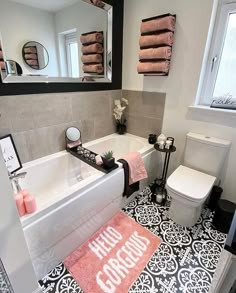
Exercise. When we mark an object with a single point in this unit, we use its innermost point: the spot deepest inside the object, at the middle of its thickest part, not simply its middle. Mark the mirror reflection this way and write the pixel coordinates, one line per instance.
(35, 55)
(57, 40)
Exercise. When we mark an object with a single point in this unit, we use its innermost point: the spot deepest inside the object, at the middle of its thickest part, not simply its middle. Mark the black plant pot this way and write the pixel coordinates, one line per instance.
(121, 128)
(108, 164)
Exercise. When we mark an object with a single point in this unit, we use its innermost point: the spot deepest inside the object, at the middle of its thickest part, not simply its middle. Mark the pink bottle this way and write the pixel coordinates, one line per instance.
(20, 204)
(30, 204)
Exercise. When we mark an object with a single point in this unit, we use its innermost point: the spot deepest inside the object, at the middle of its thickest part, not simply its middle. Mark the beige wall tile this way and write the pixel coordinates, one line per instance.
(145, 112)
(19, 111)
(52, 109)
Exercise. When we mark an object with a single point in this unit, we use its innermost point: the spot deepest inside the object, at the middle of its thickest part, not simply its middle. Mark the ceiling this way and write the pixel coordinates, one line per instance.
(49, 5)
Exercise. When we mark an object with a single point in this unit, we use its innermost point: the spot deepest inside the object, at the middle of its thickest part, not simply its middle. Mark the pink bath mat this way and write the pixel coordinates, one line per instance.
(114, 257)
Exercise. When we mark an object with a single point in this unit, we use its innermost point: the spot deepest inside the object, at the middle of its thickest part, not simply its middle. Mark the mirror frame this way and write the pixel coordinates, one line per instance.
(52, 87)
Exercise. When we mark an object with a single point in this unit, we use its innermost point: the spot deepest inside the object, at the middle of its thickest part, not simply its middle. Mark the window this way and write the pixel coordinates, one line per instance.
(220, 74)
(72, 54)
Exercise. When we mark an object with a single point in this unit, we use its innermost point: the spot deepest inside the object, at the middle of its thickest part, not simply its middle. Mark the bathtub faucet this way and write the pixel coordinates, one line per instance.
(14, 178)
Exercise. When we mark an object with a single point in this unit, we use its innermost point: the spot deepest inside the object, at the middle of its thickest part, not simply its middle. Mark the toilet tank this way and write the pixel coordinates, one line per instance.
(205, 153)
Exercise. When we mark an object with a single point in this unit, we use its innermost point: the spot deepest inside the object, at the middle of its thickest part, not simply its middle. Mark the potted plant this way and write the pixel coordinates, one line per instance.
(119, 114)
(108, 160)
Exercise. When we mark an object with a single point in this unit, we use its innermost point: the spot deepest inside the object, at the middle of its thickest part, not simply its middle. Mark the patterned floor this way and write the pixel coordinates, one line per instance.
(185, 261)
(5, 286)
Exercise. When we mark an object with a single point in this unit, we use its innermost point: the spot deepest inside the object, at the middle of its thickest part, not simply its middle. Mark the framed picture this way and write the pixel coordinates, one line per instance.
(10, 154)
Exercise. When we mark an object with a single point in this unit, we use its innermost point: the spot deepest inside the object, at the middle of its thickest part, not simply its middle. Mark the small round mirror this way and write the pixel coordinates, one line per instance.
(73, 134)
(35, 55)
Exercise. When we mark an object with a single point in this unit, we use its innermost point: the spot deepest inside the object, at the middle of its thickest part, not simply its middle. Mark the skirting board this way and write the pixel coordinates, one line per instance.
(39, 290)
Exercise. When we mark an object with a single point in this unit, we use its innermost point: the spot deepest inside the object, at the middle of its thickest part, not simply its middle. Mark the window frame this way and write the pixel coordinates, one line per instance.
(70, 38)
(215, 52)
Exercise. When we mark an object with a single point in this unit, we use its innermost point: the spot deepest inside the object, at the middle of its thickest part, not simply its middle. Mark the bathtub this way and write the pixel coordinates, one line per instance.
(74, 199)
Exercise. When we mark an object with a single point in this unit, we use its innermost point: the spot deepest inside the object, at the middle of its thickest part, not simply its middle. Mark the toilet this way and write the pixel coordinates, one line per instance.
(190, 184)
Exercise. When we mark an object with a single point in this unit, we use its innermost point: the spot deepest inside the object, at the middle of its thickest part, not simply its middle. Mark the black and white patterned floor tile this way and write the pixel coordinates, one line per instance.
(185, 261)
(5, 285)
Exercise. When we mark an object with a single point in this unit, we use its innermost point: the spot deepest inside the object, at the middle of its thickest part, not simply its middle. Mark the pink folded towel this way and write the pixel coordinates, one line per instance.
(92, 38)
(93, 58)
(1, 55)
(31, 56)
(32, 62)
(156, 40)
(30, 50)
(157, 24)
(155, 53)
(137, 169)
(96, 68)
(94, 48)
(152, 67)
(2, 65)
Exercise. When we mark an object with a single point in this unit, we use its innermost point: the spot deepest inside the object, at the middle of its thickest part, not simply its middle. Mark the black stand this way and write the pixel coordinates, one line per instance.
(159, 186)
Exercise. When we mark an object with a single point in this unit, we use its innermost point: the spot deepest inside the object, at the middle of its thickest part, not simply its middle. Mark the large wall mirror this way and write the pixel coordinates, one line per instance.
(56, 41)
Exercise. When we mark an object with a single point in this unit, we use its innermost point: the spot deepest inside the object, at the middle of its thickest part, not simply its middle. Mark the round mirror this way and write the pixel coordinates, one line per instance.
(73, 134)
(35, 55)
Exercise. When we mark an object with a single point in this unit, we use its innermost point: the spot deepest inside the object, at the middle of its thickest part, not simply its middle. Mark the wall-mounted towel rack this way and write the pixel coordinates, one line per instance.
(93, 52)
(156, 42)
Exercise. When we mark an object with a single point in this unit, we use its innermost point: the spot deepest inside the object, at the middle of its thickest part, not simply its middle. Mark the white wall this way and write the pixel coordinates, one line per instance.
(193, 20)
(13, 249)
(84, 18)
(20, 24)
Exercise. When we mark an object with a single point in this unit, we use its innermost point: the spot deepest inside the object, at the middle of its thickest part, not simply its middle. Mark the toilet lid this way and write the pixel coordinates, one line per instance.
(190, 183)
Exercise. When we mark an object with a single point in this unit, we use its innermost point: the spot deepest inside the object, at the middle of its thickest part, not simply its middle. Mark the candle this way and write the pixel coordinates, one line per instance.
(161, 145)
(168, 144)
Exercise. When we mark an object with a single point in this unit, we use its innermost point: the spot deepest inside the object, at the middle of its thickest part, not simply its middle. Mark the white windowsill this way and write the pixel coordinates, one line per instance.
(213, 111)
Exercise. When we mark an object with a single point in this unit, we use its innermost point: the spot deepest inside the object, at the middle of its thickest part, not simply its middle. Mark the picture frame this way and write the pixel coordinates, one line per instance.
(10, 154)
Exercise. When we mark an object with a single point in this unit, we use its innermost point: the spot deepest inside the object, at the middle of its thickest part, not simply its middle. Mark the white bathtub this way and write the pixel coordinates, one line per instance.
(74, 199)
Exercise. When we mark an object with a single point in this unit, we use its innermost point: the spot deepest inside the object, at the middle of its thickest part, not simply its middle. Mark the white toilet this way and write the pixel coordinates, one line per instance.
(190, 185)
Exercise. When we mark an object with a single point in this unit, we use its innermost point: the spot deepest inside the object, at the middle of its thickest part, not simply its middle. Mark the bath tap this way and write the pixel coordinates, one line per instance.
(14, 178)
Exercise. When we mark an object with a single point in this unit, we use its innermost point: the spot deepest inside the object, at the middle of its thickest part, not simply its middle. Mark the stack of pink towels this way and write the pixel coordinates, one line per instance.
(156, 41)
(92, 49)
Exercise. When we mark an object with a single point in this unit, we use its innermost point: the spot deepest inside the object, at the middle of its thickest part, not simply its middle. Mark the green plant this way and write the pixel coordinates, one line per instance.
(108, 155)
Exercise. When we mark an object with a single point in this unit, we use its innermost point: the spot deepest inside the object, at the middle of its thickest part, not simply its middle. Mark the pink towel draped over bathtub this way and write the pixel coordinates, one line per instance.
(151, 67)
(158, 24)
(137, 169)
(156, 40)
(155, 53)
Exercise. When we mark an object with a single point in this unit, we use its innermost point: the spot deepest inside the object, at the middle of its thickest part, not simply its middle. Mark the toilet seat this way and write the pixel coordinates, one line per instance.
(190, 184)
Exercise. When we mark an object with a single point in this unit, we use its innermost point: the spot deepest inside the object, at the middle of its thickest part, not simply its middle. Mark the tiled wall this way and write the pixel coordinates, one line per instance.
(145, 112)
(38, 122)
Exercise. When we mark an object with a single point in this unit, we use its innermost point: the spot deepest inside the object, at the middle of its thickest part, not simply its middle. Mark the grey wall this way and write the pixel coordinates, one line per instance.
(38, 122)
(145, 112)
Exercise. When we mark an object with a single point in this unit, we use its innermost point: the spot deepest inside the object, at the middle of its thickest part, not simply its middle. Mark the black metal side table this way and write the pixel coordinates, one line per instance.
(159, 186)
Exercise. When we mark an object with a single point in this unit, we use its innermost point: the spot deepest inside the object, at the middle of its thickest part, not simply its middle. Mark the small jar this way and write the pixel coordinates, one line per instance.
(152, 139)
